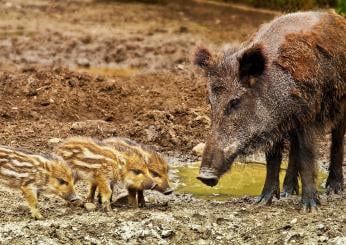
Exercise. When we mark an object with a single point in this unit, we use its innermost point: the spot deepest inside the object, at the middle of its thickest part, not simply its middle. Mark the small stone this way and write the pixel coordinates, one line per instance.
(167, 233)
(323, 238)
(181, 67)
(83, 62)
(45, 103)
(293, 221)
(54, 141)
(198, 149)
(90, 206)
(320, 226)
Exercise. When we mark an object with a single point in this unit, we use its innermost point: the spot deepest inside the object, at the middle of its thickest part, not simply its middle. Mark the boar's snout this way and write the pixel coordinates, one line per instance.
(208, 177)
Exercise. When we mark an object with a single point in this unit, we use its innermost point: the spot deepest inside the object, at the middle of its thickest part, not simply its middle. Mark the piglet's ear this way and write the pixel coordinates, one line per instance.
(252, 63)
(202, 58)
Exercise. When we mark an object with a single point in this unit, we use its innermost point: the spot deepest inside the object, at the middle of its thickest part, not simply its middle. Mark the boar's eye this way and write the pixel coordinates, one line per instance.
(62, 181)
(154, 174)
(232, 104)
(137, 171)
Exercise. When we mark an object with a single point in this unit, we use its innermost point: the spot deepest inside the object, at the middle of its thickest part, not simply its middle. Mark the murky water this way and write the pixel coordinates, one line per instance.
(243, 179)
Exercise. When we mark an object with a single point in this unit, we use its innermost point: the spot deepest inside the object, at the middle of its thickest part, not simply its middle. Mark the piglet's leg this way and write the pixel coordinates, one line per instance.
(105, 192)
(141, 201)
(271, 187)
(92, 191)
(31, 198)
(132, 198)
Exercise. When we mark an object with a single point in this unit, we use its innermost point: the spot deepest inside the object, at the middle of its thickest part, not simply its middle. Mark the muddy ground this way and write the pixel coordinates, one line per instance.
(104, 69)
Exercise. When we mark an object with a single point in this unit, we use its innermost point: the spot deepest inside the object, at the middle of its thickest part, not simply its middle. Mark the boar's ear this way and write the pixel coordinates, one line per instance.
(252, 64)
(203, 58)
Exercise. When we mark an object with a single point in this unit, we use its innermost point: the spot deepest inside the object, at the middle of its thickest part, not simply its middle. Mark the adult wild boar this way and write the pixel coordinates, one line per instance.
(287, 80)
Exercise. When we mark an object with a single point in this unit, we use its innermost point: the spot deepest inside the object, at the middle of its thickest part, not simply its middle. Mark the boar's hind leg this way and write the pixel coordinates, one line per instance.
(306, 166)
(31, 198)
(271, 186)
(291, 178)
(335, 179)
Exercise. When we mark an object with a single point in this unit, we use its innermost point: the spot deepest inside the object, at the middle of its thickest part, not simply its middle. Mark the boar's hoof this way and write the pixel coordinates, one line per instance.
(267, 196)
(208, 180)
(310, 205)
(289, 190)
(334, 186)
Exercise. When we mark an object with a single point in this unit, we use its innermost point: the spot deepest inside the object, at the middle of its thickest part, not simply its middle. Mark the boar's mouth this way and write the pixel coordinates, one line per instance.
(207, 177)
(210, 174)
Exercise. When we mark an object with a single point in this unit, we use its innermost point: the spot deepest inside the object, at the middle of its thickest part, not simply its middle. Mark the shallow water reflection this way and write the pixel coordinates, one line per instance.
(243, 180)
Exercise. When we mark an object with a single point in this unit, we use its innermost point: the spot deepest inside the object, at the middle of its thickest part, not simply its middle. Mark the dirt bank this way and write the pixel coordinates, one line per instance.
(100, 69)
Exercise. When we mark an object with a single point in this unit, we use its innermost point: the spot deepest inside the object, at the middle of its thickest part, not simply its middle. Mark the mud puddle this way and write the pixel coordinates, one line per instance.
(244, 180)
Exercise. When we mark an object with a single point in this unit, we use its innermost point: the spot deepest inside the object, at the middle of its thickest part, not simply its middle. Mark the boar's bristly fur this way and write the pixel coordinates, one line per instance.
(287, 81)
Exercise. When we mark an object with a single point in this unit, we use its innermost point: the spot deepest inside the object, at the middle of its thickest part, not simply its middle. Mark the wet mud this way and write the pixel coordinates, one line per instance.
(104, 68)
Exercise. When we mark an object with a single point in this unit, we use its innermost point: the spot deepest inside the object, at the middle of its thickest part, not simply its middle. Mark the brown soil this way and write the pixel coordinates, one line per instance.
(103, 69)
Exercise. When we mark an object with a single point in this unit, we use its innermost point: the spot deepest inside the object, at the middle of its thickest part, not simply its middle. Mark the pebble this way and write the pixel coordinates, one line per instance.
(83, 62)
(293, 221)
(54, 141)
(90, 206)
(167, 233)
(198, 149)
(320, 226)
(323, 238)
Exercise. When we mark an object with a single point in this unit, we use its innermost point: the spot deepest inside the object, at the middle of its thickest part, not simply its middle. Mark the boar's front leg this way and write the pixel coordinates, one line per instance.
(307, 169)
(335, 179)
(291, 178)
(271, 186)
(30, 196)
